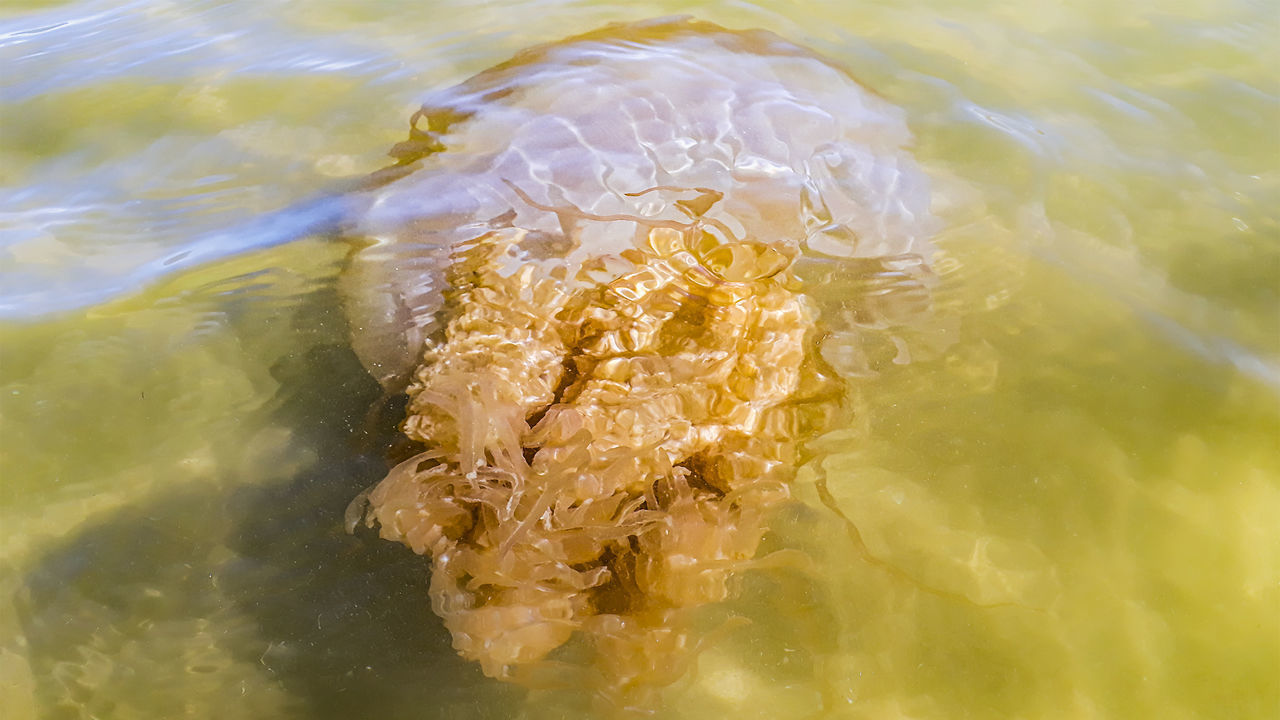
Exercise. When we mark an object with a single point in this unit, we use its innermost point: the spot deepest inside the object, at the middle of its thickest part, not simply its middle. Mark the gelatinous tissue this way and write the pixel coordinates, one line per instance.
(588, 269)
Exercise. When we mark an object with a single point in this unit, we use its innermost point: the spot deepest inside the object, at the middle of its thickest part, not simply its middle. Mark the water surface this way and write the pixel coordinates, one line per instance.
(1069, 511)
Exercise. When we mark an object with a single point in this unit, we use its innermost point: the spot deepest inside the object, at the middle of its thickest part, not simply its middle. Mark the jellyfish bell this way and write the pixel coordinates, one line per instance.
(588, 144)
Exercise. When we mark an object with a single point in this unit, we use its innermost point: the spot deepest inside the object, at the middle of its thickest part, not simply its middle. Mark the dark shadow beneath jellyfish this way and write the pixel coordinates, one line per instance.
(251, 602)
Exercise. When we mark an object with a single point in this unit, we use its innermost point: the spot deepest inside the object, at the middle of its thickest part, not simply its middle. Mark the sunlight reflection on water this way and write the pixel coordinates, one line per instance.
(1068, 510)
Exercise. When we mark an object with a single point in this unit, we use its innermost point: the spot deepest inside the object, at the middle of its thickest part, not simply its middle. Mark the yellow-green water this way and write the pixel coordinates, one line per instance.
(1071, 512)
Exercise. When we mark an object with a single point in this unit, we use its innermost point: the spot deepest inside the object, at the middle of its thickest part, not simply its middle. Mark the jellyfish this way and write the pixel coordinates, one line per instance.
(587, 271)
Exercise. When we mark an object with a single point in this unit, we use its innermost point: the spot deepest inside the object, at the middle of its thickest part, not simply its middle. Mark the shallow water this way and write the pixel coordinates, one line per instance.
(1068, 512)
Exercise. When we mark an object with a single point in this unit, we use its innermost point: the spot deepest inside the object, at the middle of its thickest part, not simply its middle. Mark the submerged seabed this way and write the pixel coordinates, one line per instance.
(1069, 512)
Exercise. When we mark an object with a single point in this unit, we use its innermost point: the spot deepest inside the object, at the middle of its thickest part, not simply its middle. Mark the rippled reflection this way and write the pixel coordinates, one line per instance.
(1050, 491)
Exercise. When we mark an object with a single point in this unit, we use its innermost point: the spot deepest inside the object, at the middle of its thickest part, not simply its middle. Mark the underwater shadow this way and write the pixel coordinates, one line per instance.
(253, 601)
